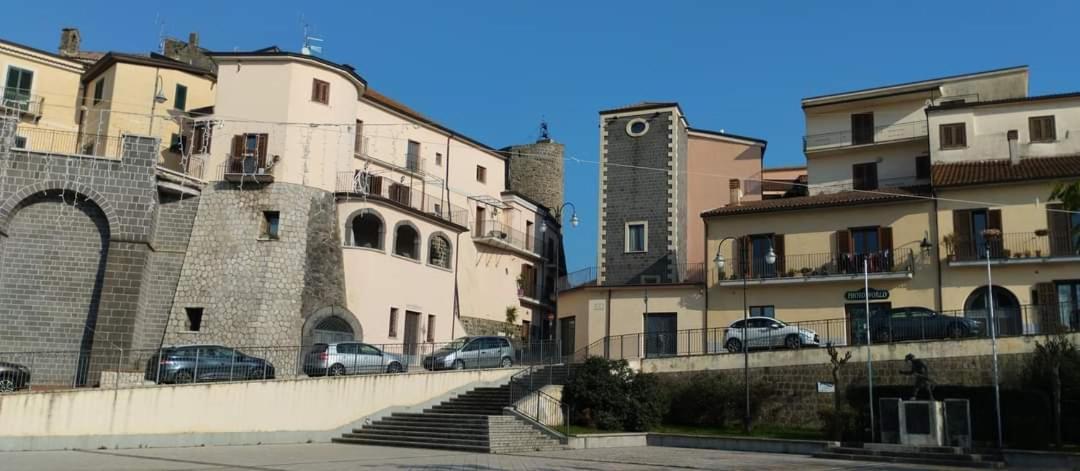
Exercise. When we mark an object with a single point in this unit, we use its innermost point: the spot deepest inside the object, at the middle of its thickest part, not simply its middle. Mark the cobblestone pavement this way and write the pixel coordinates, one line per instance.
(328, 457)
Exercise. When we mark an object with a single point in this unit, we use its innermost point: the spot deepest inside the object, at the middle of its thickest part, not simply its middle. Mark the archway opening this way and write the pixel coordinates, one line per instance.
(1008, 317)
(367, 231)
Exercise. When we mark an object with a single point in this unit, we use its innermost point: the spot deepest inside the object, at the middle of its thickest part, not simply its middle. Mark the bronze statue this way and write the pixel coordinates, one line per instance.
(921, 372)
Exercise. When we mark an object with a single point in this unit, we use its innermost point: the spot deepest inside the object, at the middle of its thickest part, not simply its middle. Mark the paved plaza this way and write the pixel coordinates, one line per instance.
(331, 457)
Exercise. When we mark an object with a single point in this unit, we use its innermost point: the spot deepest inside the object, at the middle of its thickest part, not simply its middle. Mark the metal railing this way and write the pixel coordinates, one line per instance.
(112, 367)
(360, 185)
(583, 277)
(882, 184)
(885, 328)
(1016, 246)
(22, 100)
(822, 265)
(490, 230)
(684, 273)
(528, 398)
(884, 133)
(56, 141)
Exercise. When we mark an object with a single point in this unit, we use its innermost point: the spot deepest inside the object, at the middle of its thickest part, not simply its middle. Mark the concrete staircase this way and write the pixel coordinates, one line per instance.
(473, 421)
(928, 456)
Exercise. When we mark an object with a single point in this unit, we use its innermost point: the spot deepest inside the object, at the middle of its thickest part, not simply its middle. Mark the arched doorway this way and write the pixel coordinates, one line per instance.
(331, 324)
(1007, 312)
(332, 330)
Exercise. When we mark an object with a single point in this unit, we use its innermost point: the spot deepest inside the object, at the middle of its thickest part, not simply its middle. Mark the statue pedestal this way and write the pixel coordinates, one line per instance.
(922, 423)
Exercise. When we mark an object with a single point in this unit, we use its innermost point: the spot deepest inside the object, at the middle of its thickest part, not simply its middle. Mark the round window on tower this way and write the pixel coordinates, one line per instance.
(637, 127)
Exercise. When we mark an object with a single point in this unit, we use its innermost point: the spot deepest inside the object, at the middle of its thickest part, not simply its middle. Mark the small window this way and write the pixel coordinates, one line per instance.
(438, 159)
(407, 242)
(862, 128)
(864, 176)
(320, 91)
(1042, 128)
(20, 142)
(431, 328)
(439, 251)
(99, 91)
(953, 135)
(271, 226)
(180, 98)
(637, 237)
(358, 138)
(19, 84)
(763, 311)
(922, 167)
(412, 156)
(637, 127)
(393, 322)
(194, 318)
(481, 174)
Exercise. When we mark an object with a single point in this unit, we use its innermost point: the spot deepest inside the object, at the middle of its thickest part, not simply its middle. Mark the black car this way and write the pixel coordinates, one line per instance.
(920, 323)
(201, 363)
(13, 377)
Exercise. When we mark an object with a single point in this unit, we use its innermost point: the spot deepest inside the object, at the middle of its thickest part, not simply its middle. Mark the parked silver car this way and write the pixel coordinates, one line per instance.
(766, 332)
(346, 358)
(472, 352)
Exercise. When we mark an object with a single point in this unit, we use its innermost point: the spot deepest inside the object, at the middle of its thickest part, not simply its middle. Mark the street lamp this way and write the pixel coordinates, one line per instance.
(987, 236)
(159, 98)
(770, 260)
(574, 221)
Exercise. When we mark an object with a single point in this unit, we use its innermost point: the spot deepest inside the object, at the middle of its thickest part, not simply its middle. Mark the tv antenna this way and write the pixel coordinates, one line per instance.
(308, 48)
(160, 22)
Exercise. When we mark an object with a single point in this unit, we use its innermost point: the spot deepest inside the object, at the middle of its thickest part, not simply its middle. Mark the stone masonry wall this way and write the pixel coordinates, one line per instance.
(536, 171)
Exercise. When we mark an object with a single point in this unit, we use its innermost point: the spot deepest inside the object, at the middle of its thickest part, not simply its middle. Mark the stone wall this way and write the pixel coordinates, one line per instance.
(479, 326)
(536, 171)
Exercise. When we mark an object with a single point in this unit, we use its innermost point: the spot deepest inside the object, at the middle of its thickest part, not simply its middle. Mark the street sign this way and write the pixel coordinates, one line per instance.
(860, 295)
(823, 387)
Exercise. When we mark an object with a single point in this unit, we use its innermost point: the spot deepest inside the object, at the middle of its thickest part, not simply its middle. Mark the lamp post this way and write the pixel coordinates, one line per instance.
(574, 221)
(770, 259)
(993, 345)
(159, 97)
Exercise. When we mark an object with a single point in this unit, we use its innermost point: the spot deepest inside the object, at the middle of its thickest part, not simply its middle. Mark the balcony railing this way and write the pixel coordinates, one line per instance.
(22, 100)
(496, 232)
(882, 183)
(359, 185)
(684, 273)
(886, 133)
(823, 265)
(1017, 246)
(55, 141)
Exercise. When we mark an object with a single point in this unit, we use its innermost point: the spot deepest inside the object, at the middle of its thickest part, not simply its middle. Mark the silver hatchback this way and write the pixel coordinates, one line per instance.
(472, 352)
(345, 358)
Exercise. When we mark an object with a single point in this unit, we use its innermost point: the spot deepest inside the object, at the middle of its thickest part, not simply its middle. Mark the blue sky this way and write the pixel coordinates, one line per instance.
(492, 70)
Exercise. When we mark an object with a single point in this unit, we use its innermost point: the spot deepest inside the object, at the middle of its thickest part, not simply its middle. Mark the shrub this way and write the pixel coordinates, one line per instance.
(608, 395)
(712, 399)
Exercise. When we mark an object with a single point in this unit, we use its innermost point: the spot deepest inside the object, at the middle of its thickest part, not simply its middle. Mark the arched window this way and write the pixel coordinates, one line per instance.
(407, 241)
(331, 330)
(439, 253)
(367, 230)
(1007, 315)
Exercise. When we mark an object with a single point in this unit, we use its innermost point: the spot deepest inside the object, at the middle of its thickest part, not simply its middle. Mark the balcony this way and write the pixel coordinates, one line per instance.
(1018, 248)
(882, 134)
(248, 169)
(27, 104)
(499, 235)
(822, 267)
(687, 273)
(360, 185)
(903, 183)
(55, 141)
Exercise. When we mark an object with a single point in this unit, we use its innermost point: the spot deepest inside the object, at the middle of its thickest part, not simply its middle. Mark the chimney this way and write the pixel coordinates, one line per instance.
(736, 192)
(69, 41)
(1014, 147)
(193, 40)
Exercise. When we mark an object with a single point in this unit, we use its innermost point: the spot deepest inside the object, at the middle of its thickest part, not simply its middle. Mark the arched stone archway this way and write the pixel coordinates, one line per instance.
(331, 324)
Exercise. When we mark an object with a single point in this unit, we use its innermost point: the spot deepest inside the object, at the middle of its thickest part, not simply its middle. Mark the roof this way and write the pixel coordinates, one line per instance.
(1004, 101)
(41, 51)
(907, 87)
(763, 142)
(1003, 171)
(783, 168)
(643, 105)
(274, 51)
(119, 57)
(843, 198)
(373, 95)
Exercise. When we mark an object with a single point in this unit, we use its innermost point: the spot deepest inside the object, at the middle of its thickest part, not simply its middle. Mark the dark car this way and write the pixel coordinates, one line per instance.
(200, 363)
(920, 323)
(13, 377)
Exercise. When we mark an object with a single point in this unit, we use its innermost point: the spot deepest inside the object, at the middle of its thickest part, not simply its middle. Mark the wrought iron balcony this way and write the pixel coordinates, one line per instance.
(501, 235)
(821, 267)
(1014, 248)
(22, 100)
(684, 273)
(358, 184)
(882, 134)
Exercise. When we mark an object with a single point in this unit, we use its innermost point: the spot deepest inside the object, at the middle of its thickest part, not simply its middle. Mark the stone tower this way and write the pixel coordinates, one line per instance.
(536, 170)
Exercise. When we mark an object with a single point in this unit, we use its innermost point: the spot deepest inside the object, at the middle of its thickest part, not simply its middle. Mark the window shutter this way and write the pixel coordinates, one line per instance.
(1057, 223)
(843, 242)
(871, 176)
(922, 167)
(993, 220)
(885, 238)
(962, 242)
(261, 149)
(778, 247)
(1049, 307)
(858, 176)
(236, 161)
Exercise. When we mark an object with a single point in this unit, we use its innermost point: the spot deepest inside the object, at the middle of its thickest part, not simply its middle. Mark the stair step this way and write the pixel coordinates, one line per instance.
(949, 455)
(922, 461)
(406, 427)
(411, 444)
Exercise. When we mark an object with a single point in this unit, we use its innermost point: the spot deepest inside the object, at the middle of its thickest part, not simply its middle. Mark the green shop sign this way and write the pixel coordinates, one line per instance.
(860, 295)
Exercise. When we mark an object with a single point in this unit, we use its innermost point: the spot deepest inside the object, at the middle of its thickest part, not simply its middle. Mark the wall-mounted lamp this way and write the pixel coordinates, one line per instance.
(926, 245)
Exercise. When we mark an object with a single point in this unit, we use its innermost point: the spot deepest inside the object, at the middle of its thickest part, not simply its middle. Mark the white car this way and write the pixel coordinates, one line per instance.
(766, 332)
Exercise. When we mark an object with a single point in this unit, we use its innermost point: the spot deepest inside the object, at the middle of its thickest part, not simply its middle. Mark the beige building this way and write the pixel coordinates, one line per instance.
(42, 88)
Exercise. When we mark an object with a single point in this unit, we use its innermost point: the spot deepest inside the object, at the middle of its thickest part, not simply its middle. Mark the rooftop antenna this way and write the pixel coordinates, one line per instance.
(307, 48)
(160, 22)
(545, 133)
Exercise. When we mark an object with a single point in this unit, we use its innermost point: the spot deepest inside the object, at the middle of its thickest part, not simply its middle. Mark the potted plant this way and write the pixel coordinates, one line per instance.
(511, 314)
(722, 276)
(1038, 253)
(521, 285)
(806, 271)
(791, 273)
(1027, 254)
(949, 241)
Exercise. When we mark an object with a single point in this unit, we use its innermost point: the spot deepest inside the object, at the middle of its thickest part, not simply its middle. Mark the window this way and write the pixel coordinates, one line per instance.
(529, 235)
(203, 136)
(862, 128)
(438, 159)
(180, 98)
(271, 226)
(637, 127)
(970, 226)
(763, 311)
(637, 237)
(348, 348)
(412, 156)
(407, 242)
(431, 328)
(481, 174)
(439, 251)
(1042, 128)
(320, 91)
(400, 194)
(953, 136)
(366, 349)
(358, 138)
(760, 244)
(527, 281)
(248, 153)
(922, 167)
(367, 230)
(18, 85)
(20, 142)
(864, 240)
(393, 322)
(99, 91)
(864, 176)
(194, 318)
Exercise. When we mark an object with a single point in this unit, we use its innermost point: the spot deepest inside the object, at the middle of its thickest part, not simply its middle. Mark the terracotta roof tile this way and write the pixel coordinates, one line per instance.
(843, 198)
(1001, 171)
